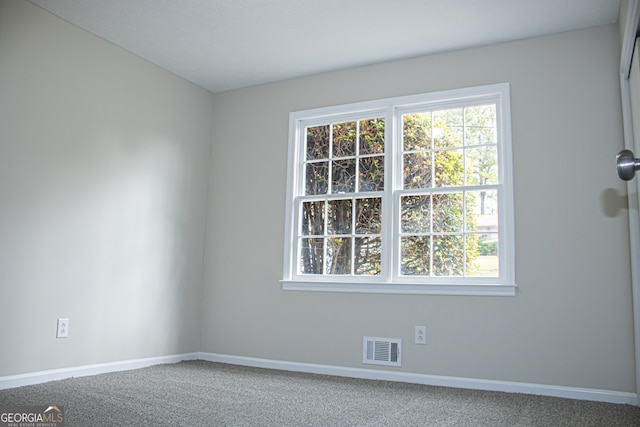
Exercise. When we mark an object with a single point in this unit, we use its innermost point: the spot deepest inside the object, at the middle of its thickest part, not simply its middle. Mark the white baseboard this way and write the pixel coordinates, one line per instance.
(86, 370)
(341, 371)
(435, 380)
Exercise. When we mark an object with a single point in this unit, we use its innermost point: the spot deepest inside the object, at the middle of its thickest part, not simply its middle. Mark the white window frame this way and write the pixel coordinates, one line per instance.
(390, 281)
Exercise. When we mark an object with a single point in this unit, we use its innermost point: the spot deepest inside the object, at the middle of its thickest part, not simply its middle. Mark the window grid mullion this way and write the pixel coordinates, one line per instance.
(433, 178)
(330, 162)
(353, 200)
(431, 251)
(464, 157)
(353, 233)
(325, 236)
(464, 232)
(394, 144)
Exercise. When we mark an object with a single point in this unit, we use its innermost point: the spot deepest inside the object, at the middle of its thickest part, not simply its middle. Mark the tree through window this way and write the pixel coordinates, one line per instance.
(344, 182)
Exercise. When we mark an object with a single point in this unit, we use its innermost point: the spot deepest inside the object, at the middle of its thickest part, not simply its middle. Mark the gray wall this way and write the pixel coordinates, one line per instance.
(622, 17)
(570, 323)
(103, 176)
(104, 165)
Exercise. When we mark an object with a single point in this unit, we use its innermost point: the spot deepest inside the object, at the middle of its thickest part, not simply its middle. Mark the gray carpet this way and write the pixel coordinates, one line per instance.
(199, 393)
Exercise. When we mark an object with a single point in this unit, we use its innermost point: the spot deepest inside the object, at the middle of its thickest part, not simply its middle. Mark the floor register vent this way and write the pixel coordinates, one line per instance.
(381, 351)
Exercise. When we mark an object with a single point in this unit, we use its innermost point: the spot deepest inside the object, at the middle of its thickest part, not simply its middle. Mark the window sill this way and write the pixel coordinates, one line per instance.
(400, 288)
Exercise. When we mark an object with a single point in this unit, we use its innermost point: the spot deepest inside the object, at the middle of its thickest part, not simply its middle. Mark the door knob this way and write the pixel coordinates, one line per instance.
(627, 164)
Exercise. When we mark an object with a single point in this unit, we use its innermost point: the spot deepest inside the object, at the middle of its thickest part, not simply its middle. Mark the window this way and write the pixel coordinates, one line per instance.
(403, 195)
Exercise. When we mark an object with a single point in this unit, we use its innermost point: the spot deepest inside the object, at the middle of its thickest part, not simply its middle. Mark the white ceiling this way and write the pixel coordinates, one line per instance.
(228, 44)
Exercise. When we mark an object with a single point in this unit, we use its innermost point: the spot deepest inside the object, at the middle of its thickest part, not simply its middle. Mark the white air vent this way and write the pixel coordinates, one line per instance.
(381, 351)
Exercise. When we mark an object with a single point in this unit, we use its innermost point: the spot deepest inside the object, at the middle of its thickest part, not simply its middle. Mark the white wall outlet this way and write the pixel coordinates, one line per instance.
(420, 336)
(63, 328)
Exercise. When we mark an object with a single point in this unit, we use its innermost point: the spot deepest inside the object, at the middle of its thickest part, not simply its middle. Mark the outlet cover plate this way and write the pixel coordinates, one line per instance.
(63, 328)
(420, 335)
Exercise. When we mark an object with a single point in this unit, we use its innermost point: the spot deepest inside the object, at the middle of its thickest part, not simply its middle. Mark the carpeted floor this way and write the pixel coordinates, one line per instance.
(199, 393)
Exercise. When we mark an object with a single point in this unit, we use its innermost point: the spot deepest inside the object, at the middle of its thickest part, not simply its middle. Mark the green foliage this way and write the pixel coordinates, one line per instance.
(433, 158)
(372, 136)
(472, 253)
(439, 228)
(488, 247)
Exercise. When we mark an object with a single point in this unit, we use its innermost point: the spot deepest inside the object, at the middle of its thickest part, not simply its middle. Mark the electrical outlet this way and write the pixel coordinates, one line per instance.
(63, 328)
(420, 336)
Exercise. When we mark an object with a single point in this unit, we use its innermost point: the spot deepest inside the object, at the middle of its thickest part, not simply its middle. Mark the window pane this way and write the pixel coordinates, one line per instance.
(447, 128)
(368, 256)
(449, 168)
(482, 211)
(339, 255)
(340, 216)
(415, 255)
(479, 135)
(316, 178)
(448, 255)
(343, 176)
(485, 262)
(372, 174)
(482, 165)
(471, 201)
(471, 253)
(415, 216)
(318, 142)
(480, 115)
(369, 216)
(372, 136)
(313, 218)
(417, 170)
(447, 212)
(311, 255)
(344, 139)
(416, 131)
